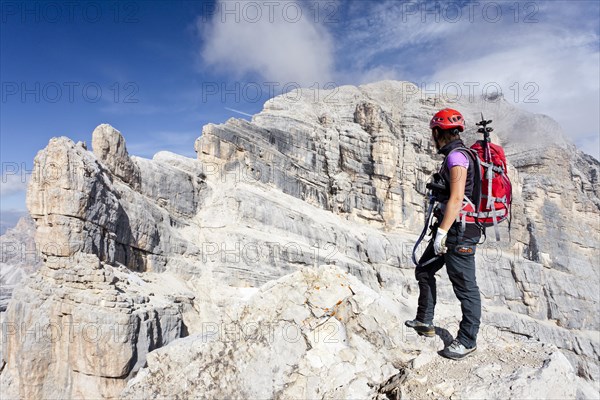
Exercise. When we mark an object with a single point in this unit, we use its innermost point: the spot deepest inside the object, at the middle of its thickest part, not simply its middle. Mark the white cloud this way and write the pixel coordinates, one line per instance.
(553, 46)
(12, 184)
(371, 74)
(377, 28)
(274, 46)
(549, 71)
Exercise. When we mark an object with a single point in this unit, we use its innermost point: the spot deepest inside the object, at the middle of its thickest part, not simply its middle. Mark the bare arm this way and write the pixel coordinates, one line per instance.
(458, 181)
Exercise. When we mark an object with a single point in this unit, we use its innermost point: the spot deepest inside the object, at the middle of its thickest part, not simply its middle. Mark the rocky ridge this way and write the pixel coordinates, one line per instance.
(303, 184)
(330, 336)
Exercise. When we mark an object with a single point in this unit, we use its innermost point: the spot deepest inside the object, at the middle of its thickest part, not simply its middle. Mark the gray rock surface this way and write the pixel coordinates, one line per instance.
(313, 333)
(80, 206)
(321, 333)
(336, 182)
(79, 327)
(109, 147)
(19, 257)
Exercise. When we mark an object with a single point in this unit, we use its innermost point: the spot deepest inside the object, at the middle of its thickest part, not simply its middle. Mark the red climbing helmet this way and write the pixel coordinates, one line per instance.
(448, 119)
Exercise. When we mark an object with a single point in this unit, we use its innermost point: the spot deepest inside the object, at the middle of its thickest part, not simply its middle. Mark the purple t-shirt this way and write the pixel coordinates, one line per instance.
(457, 158)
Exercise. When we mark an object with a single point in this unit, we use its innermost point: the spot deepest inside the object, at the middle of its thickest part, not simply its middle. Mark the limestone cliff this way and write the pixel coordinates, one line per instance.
(18, 257)
(163, 250)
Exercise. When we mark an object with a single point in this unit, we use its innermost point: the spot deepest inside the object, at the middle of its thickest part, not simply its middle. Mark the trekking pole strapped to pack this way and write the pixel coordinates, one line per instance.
(496, 188)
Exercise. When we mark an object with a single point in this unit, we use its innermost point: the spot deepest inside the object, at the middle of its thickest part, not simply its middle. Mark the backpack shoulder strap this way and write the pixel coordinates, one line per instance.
(476, 163)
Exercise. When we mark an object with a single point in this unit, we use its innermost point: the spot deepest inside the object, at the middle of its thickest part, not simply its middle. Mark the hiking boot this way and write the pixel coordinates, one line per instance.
(422, 328)
(456, 351)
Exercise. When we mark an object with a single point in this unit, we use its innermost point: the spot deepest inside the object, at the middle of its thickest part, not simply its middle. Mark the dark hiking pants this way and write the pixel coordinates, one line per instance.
(460, 265)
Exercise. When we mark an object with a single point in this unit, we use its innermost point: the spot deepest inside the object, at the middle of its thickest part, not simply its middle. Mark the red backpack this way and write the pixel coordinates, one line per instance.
(496, 189)
(493, 189)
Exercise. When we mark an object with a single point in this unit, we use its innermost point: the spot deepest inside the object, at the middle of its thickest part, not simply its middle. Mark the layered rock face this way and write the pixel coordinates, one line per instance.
(18, 257)
(79, 327)
(109, 204)
(171, 247)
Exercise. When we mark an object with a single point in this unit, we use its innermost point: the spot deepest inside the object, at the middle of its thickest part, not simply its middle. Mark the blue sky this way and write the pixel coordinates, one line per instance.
(159, 71)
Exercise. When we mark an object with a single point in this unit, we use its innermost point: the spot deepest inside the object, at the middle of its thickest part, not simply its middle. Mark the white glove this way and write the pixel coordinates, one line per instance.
(439, 245)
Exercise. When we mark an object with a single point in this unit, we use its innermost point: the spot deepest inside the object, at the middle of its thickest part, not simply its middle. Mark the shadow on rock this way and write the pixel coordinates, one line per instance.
(445, 335)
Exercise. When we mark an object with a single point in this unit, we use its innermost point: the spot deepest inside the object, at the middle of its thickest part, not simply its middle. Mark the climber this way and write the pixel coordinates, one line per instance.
(453, 243)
